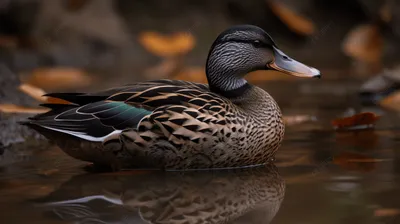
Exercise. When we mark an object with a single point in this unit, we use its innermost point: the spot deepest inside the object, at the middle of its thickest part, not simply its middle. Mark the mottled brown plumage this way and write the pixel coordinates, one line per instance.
(210, 133)
(171, 124)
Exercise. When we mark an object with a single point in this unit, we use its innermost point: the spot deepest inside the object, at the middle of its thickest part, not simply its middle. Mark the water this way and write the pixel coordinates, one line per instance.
(312, 180)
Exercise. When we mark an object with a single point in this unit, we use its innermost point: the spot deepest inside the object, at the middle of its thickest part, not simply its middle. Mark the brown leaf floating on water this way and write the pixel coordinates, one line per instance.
(12, 108)
(386, 212)
(58, 78)
(167, 45)
(298, 23)
(359, 121)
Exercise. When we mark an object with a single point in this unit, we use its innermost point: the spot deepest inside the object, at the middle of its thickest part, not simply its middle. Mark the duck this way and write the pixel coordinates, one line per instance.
(180, 125)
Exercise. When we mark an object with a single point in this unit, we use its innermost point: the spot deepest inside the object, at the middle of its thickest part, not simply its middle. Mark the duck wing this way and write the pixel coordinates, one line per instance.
(96, 116)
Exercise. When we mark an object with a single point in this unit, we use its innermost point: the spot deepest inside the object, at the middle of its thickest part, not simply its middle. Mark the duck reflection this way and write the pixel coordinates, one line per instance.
(235, 196)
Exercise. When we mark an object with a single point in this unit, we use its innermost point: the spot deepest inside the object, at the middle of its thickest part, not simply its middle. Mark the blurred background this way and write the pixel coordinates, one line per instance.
(122, 37)
(89, 45)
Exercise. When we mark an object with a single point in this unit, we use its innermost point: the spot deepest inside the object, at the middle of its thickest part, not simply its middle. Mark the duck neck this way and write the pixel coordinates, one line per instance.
(225, 79)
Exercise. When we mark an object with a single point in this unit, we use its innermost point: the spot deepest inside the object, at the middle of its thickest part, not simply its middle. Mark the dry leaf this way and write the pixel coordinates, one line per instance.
(364, 43)
(167, 45)
(392, 101)
(38, 93)
(385, 212)
(11, 108)
(58, 78)
(35, 92)
(294, 21)
(356, 122)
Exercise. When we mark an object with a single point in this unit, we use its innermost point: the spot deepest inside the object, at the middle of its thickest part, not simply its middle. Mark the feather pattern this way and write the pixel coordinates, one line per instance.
(123, 108)
(172, 124)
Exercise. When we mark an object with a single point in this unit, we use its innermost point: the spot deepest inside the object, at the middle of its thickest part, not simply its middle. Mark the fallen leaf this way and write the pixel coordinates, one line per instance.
(364, 43)
(298, 119)
(57, 78)
(35, 92)
(11, 108)
(38, 93)
(167, 45)
(356, 162)
(298, 23)
(385, 212)
(356, 122)
(392, 101)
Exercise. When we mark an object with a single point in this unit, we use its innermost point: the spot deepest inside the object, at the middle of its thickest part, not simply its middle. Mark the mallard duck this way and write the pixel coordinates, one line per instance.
(233, 196)
(172, 124)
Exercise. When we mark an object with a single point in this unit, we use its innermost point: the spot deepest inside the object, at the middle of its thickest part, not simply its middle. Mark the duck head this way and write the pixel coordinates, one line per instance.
(246, 48)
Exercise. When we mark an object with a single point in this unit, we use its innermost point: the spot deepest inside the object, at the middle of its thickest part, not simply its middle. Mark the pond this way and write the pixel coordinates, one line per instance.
(319, 176)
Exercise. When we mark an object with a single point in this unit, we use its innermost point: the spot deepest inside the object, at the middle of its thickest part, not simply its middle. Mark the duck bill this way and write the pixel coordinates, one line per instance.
(287, 65)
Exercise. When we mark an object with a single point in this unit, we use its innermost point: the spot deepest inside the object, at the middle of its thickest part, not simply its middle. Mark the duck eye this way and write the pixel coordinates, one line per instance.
(257, 43)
